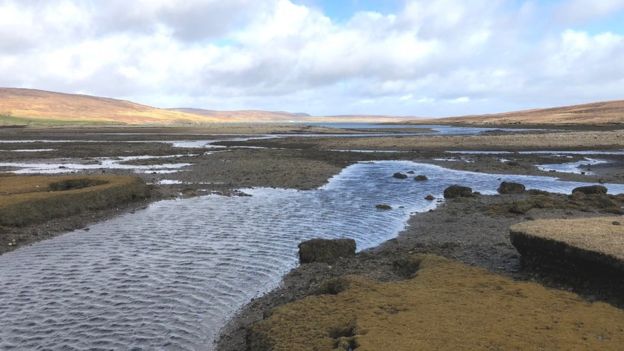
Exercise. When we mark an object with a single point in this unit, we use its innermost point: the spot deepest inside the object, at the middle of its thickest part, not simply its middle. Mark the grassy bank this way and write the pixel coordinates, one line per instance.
(27, 200)
(441, 304)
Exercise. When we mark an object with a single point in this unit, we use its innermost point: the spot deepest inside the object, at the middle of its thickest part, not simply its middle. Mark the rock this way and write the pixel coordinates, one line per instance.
(421, 178)
(325, 251)
(591, 190)
(384, 207)
(411, 172)
(455, 191)
(511, 188)
(399, 175)
(512, 163)
(429, 197)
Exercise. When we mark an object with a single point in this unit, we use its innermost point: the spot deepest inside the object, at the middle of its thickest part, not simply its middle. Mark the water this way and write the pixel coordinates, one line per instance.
(579, 167)
(169, 276)
(72, 165)
(436, 128)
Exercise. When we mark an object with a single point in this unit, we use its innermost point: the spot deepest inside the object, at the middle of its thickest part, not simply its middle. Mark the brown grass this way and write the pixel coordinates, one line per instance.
(608, 112)
(591, 234)
(611, 139)
(34, 199)
(446, 306)
(38, 104)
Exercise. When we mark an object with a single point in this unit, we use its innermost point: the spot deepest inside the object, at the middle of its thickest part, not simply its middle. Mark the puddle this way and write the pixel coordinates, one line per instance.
(579, 167)
(168, 277)
(120, 163)
(30, 150)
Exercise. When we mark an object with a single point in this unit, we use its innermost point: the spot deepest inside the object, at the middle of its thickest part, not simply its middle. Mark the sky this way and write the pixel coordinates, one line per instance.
(393, 57)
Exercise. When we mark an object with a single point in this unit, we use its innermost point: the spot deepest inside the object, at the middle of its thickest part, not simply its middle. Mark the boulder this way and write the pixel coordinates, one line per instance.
(399, 175)
(511, 188)
(421, 178)
(325, 251)
(455, 191)
(383, 207)
(429, 197)
(591, 190)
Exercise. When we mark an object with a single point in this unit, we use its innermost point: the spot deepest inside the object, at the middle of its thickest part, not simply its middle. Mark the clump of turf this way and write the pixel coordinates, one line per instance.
(583, 242)
(34, 199)
(446, 306)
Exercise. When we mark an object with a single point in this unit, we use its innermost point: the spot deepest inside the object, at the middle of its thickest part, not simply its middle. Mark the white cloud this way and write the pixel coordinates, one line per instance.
(437, 57)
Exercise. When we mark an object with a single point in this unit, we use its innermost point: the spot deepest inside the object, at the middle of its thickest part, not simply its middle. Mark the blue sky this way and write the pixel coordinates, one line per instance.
(394, 57)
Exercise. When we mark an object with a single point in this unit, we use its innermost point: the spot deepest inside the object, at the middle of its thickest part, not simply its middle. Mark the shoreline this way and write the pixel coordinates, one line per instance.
(462, 229)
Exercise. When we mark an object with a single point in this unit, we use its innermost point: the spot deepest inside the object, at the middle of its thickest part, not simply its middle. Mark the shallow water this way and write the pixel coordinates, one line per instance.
(579, 167)
(169, 276)
(72, 165)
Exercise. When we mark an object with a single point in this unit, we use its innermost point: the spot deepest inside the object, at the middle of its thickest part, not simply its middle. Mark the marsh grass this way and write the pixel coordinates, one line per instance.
(28, 200)
(445, 306)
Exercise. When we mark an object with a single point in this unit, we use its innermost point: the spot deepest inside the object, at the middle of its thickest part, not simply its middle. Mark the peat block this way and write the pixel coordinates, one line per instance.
(589, 245)
(325, 251)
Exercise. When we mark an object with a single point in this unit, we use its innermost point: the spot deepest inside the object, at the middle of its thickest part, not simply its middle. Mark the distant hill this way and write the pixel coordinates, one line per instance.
(39, 105)
(598, 113)
(30, 106)
(246, 115)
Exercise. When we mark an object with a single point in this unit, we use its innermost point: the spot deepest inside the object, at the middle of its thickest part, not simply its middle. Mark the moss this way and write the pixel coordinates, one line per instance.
(34, 199)
(447, 306)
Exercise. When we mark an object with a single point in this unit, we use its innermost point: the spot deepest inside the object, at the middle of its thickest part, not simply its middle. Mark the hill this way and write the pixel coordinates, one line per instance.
(246, 115)
(598, 113)
(28, 105)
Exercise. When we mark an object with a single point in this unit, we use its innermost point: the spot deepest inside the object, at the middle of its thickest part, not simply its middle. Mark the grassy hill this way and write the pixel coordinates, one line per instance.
(23, 106)
(246, 115)
(598, 113)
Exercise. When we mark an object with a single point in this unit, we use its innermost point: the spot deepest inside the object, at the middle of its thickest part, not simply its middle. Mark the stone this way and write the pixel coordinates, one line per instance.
(455, 191)
(325, 251)
(399, 175)
(591, 190)
(511, 188)
(421, 178)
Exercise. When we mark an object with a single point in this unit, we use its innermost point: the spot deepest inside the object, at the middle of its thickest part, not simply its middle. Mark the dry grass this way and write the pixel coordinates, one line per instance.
(446, 306)
(576, 140)
(591, 234)
(37, 104)
(33, 199)
(608, 112)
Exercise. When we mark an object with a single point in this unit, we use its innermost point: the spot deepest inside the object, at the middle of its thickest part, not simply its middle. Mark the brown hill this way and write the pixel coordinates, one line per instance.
(246, 115)
(598, 113)
(39, 105)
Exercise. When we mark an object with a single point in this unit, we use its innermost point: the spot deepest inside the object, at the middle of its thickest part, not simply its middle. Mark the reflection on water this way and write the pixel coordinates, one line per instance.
(579, 167)
(121, 162)
(169, 276)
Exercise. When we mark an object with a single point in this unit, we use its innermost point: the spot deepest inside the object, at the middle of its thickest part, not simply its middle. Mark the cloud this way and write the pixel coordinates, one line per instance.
(586, 10)
(437, 57)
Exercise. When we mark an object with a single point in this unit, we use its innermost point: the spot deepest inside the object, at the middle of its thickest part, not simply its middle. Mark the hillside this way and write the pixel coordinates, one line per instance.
(27, 105)
(245, 115)
(598, 113)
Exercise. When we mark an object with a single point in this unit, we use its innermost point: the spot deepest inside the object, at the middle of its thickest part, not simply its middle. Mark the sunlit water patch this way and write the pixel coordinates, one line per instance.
(121, 163)
(169, 276)
(579, 167)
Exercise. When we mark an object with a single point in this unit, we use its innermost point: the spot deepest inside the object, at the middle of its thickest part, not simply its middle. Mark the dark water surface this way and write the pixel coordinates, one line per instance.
(169, 276)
